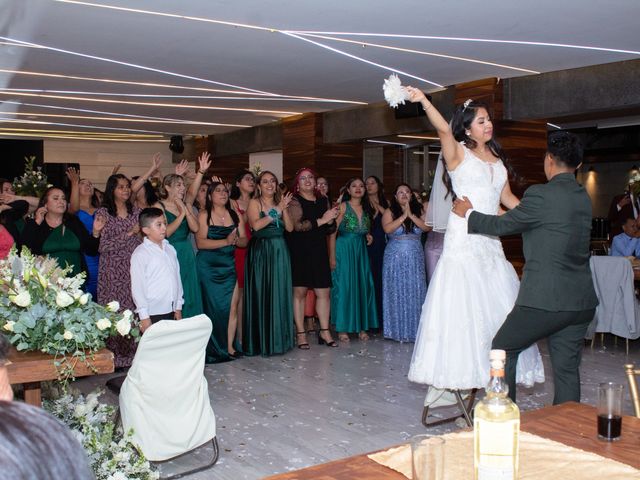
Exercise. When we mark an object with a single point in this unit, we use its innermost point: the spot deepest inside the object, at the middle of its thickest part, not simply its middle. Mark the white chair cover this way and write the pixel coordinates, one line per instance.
(165, 396)
(618, 312)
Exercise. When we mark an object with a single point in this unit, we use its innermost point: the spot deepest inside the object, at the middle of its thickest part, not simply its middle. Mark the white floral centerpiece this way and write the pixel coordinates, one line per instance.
(111, 452)
(33, 182)
(44, 309)
(634, 183)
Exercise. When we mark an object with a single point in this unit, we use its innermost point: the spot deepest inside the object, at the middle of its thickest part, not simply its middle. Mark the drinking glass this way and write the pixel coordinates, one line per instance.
(427, 457)
(610, 411)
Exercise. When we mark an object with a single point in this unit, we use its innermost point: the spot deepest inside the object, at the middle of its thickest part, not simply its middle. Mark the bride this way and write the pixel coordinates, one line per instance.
(473, 287)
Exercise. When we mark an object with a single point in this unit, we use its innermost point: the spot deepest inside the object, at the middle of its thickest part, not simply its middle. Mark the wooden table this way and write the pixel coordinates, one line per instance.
(31, 368)
(573, 424)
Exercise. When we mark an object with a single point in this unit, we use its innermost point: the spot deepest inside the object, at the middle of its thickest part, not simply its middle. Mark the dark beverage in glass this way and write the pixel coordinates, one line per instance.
(609, 427)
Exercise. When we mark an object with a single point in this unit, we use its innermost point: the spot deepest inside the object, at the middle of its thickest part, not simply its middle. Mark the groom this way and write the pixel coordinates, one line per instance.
(556, 297)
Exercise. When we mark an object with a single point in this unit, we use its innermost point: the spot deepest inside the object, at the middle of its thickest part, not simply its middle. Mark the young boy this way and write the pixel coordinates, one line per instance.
(155, 272)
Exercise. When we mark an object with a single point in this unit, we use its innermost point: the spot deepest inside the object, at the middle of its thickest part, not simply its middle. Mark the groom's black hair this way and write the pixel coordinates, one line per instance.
(566, 148)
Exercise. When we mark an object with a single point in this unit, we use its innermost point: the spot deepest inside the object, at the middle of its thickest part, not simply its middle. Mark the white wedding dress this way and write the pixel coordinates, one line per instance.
(471, 292)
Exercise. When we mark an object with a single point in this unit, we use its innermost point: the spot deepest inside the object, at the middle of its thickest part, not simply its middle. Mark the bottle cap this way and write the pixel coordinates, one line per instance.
(497, 355)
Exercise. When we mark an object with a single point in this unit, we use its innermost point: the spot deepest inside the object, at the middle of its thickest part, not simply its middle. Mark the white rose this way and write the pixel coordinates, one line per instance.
(123, 326)
(84, 299)
(67, 335)
(77, 294)
(9, 326)
(127, 314)
(23, 299)
(103, 324)
(63, 299)
(113, 306)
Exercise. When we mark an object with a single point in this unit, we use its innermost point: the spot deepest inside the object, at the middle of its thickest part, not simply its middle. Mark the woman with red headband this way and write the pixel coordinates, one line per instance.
(313, 219)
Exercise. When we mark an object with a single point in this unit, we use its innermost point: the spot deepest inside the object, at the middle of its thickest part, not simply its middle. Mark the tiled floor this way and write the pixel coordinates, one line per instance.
(307, 407)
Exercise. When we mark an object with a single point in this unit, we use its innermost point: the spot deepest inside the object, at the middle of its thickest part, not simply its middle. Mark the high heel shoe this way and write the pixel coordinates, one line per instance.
(303, 346)
(322, 341)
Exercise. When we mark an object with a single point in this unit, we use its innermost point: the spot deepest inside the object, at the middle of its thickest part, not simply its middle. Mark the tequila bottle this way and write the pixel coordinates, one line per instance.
(496, 428)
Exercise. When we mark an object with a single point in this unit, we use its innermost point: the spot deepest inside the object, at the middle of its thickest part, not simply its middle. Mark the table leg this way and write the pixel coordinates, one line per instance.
(32, 394)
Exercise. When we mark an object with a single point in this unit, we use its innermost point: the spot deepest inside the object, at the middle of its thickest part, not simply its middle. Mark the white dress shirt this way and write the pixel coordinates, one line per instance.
(155, 279)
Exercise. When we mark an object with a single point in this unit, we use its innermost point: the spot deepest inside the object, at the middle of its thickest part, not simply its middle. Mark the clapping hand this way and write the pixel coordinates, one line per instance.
(98, 224)
(330, 215)
(284, 202)
(232, 238)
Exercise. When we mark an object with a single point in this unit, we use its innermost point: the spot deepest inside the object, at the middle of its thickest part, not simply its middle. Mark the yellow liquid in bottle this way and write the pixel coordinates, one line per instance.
(496, 429)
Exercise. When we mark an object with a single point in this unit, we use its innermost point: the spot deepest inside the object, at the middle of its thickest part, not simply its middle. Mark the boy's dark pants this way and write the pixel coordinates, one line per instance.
(565, 331)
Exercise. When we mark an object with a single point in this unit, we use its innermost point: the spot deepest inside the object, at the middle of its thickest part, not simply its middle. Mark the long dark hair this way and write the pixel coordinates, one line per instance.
(382, 200)
(109, 201)
(460, 123)
(346, 197)
(235, 189)
(414, 206)
(95, 200)
(209, 204)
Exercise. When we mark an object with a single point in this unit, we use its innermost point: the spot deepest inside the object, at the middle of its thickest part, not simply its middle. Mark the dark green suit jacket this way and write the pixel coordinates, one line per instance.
(555, 222)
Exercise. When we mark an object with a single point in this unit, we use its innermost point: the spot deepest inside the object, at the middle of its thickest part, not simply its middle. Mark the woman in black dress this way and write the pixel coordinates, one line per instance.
(313, 219)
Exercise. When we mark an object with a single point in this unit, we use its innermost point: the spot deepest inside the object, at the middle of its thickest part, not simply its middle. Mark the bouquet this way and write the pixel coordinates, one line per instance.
(42, 308)
(33, 182)
(394, 92)
(111, 452)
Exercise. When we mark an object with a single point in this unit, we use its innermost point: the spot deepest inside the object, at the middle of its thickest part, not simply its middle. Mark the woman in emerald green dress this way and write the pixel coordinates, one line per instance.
(177, 204)
(220, 231)
(60, 235)
(268, 308)
(353, 303)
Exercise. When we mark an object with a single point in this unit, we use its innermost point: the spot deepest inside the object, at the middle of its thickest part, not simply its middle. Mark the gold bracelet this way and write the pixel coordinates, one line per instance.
(202, 172)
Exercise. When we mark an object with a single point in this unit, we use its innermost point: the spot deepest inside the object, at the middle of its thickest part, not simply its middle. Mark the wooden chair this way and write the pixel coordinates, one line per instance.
(633, 386)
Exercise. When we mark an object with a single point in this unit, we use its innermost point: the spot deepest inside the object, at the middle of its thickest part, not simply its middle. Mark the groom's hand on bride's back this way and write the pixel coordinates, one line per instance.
(461, 206)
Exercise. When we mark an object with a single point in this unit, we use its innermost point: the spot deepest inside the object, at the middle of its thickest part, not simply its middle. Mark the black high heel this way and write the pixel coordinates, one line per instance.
(303, 346)
(322, 341)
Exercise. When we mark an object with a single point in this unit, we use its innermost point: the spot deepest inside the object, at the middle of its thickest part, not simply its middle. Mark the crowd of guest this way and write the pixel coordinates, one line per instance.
(271, 265)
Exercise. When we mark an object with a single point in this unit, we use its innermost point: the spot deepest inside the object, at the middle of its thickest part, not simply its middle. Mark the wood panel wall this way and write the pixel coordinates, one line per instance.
(487, 90)
(338, 162)
(301, 143)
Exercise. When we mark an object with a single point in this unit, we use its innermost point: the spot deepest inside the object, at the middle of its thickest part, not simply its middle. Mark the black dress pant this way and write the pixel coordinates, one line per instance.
(565, 332)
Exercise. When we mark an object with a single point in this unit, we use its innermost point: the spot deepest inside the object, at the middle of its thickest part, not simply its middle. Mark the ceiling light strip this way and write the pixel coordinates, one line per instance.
(127, 115)
(422, 52)
(133, 65)
(42, 122)
(170, 15)
(74, 137)
(165, 105)
(197, 97)
(126, 82)
(464, 39)
(355, 57)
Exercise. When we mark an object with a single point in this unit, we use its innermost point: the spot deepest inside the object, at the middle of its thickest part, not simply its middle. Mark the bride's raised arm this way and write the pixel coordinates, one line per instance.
(452, 152)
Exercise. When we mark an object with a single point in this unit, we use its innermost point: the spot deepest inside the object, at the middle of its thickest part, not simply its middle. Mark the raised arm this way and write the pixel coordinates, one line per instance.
(452, 151)
(74, 197)
(204, 163)
(139, 182)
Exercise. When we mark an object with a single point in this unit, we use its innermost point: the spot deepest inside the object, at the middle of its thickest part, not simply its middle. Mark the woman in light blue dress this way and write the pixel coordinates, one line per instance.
(404, 284)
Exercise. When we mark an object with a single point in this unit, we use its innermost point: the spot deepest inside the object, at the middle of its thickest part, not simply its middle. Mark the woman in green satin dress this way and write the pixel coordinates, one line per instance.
(177, 204)
(220, 230)
(268, 307)
(353, 303)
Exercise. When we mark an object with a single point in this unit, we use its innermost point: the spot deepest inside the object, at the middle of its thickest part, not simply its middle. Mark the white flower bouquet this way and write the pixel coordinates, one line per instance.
(44, 309)
(634, 183)
(111, 452)
(33, 182)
